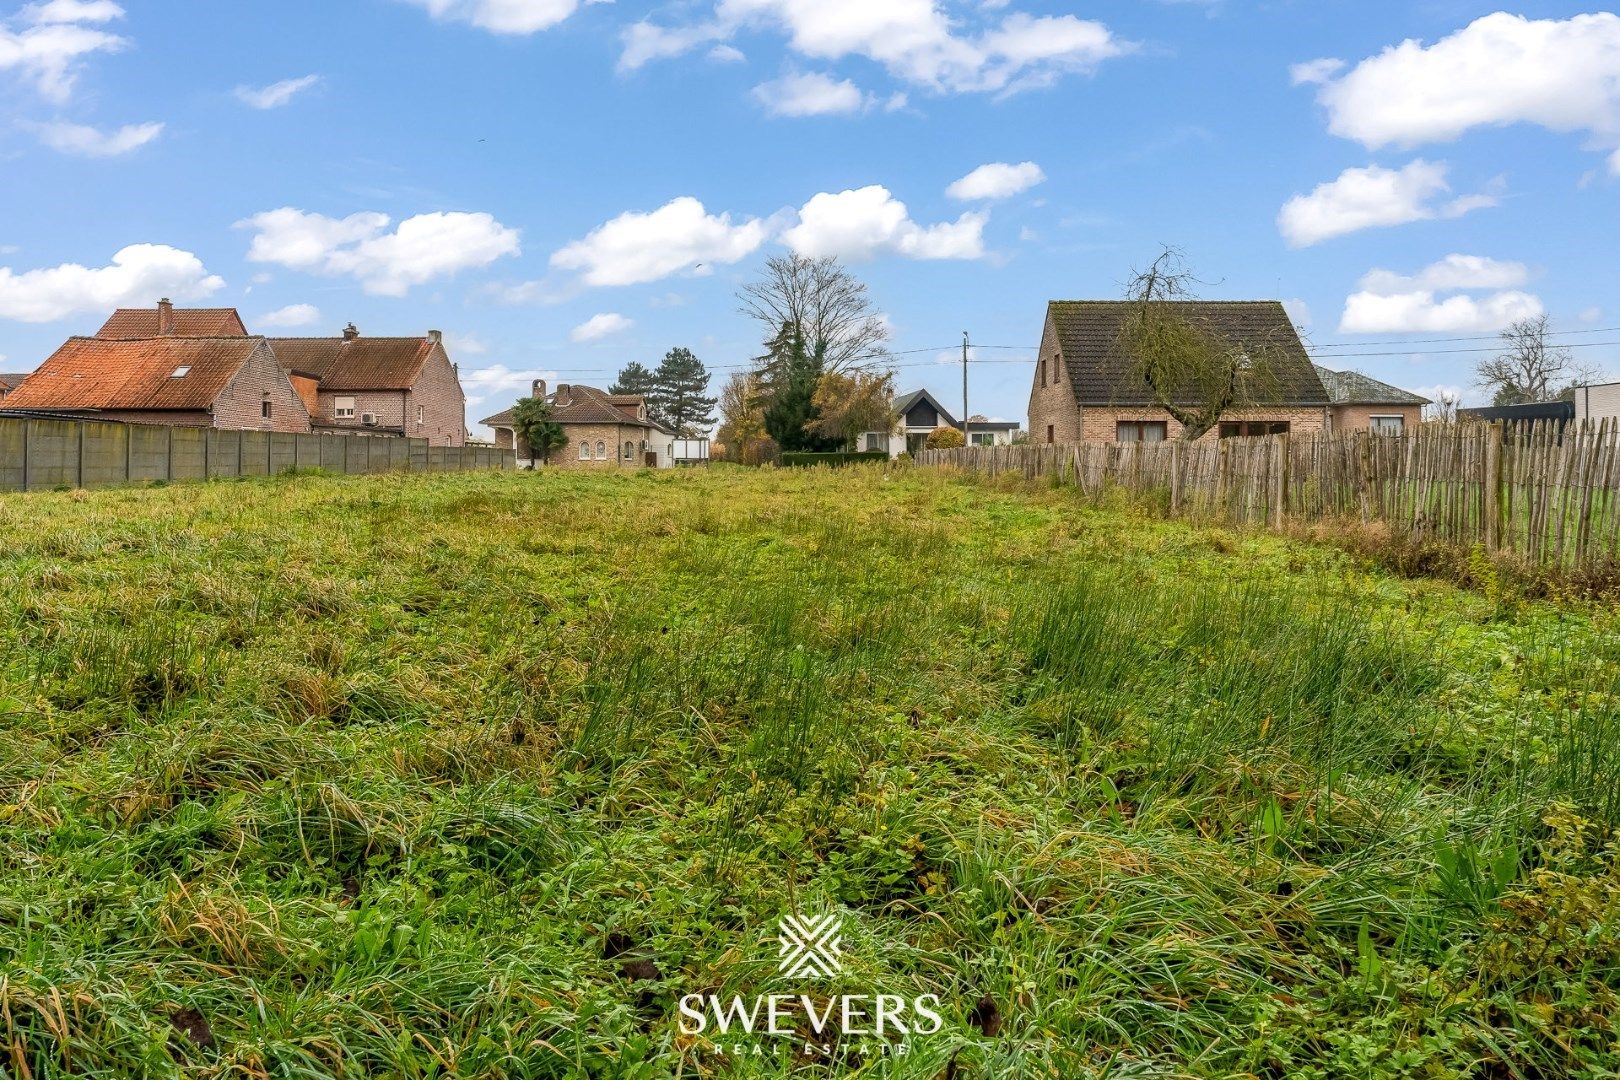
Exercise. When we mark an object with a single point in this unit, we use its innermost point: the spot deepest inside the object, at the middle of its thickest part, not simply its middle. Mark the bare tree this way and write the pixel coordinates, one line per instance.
(742, 420)
(1193, 371)
(852, 403)
(1443, 410)
(1530, 367)
(827, 304)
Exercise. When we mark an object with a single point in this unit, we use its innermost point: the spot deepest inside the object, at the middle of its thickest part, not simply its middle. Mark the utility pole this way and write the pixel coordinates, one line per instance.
(965, 413)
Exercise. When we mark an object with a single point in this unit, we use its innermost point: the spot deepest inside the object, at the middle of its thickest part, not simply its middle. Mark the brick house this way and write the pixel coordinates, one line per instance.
(605, 431)
(1086, 389)
(379, 385)
(166, 320)
(1362, 403)
(232, 383)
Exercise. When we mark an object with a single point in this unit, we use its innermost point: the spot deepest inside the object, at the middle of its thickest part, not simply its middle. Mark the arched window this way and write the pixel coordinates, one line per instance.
(629, 450)
(601, 450)
(584, 451)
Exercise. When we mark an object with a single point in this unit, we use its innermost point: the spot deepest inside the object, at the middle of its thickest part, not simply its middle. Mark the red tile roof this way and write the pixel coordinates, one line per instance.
(97, 373)
(576, 404)
(128, 323)
(360, 363)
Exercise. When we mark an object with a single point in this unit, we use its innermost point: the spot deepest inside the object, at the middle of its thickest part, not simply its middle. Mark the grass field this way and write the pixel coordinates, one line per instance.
(479, 775)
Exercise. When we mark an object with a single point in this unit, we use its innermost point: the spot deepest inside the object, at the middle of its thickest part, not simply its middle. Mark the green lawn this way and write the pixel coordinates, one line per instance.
(479, 775)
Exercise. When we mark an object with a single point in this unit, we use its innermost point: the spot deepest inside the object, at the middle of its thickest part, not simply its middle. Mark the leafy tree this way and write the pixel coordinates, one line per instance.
(680, 387)
(1530, 368)
(532, 422)
(825, 303)
(1193, 372)
(742, 421)
(848, 404)
(789, 376)
(945, 438)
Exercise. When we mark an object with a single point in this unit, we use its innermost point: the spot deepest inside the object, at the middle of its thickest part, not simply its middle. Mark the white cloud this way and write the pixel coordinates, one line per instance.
(997, 180)
(812, 94)
(499, 381)
(1314, 72)
(727, 54)
(53, 37)
(87, 141)
(1370, 198)
(600, 326)
(1502, 69)
(1299, 312)
(385, 263)
(291, 315)
(138, 274)
(867, 222)
(502, 16)
(680, 235)
(916, 40)
(1388, 302)
(276, 94)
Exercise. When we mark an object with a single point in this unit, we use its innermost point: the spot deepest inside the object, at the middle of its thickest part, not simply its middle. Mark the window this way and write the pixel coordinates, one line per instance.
(1233, 429)
(601, 450)
(584, 451)
(982, 438)
(343, 408)
(629, 451)
(180, 372)
(874, 441)
(1141, 431)
(1043, 371)
(264, 409)
(421, 415)
(1051, 434)
(1387, 425)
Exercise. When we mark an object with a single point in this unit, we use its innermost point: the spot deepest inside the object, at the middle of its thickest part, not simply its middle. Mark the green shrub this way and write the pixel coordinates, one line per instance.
(844, 458)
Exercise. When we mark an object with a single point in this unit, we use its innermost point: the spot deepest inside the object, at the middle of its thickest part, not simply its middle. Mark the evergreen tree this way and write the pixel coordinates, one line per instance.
(790, 373)
(681, 389)
(635, 379)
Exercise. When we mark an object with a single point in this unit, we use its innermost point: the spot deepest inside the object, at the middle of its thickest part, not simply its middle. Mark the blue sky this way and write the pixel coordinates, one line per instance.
(563, 187)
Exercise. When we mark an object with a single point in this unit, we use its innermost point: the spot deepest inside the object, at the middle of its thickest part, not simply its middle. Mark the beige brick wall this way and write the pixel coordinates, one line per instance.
(1054, 415)
(612, 438)
(1359, 417)
(239, 406)
(1100, 424)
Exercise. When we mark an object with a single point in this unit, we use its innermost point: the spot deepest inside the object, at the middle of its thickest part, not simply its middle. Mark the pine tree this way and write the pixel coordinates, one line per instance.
(681, 389)
(634, 379)
(790, 373)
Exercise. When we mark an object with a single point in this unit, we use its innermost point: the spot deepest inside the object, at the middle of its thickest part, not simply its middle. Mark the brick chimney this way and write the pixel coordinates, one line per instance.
(538, 389)
(562, 394)
(350, 332)
(165, 317)
(436, 337)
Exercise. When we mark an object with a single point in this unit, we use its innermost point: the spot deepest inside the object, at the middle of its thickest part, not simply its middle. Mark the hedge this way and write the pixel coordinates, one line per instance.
(804, 460)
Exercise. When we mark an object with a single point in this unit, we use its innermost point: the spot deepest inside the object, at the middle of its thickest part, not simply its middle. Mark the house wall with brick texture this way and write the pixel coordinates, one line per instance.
(442, 402)
(239, 406)
(1359, 417)
(612, 437)
(1101, 423)
(1054, 414)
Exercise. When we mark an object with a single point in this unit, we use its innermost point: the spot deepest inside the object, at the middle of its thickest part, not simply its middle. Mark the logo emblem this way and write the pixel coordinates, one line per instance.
(809, 948)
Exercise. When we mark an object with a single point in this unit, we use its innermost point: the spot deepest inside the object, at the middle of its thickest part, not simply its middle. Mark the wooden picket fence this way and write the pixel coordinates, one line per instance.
(1550, 496)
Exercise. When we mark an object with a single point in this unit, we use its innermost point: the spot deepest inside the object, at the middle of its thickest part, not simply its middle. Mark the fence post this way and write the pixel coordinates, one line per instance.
(1493, 487)
(1279, 483)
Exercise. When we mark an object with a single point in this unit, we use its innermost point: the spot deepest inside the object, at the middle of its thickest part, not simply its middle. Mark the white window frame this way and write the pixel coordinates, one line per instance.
(421, 416)
(1400, 423)
(601, 450)
(342, 411)
(584, 450)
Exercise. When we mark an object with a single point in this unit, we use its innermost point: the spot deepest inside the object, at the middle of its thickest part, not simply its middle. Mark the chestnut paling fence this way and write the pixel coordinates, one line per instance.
(1550, 496)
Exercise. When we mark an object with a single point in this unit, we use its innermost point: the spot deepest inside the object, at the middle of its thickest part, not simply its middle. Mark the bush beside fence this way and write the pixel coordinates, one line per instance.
(1550, 496)
(41, 454)
(791, 460)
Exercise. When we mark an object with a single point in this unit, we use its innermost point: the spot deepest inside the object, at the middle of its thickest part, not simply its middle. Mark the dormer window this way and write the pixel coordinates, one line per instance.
(180, 372)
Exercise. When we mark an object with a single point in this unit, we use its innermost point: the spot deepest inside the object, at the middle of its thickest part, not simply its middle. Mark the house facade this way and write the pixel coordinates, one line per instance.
(231, 383)
(604, 431)
(398, 386)
(1086, 389)
(1361, 403)
(917, 414)
(1595, 403)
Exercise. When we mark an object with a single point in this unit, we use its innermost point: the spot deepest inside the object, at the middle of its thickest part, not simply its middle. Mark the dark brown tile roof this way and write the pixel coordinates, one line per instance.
(576, 404)
(98, 373)
(10, 380)
(1354, 388)
(1088, 331)
(127, 323)
(361, 363)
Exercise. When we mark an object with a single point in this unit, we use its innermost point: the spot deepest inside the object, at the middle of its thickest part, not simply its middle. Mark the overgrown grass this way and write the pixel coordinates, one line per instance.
(476, 775)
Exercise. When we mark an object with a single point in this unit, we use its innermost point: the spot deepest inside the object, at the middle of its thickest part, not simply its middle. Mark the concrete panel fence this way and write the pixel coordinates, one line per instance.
(40, 455)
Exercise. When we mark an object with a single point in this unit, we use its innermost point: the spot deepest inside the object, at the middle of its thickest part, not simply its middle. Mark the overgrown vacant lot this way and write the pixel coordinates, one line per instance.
(478, 775)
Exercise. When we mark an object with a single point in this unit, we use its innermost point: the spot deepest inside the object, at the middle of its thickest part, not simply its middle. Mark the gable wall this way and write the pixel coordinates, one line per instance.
(238, 406)
(1054, 403)
(438, 392)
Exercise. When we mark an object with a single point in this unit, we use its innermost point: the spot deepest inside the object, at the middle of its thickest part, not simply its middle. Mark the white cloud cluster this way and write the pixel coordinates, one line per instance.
(385, 263)
(1370, 198)
(1438, 298)
(1501, 69)
(600, 326)
(915, 40)
(680, 235)
(499, 381)
(276, 94)
(997, 180)
(137, 275)
(88, 141)
(46, 40)
(291, 315)
(810, 94)
(503, 16)
(866, 222)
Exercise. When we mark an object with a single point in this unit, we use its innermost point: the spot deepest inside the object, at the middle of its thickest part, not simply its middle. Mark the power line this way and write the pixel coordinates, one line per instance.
(1446, 341)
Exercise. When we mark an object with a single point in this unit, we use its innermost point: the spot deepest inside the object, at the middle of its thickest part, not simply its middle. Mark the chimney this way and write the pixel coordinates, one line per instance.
(165, 317)
(436, 337)
(538, 389)
(562, 394)
(350, 332)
